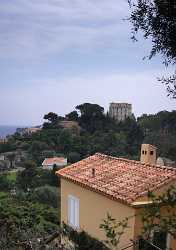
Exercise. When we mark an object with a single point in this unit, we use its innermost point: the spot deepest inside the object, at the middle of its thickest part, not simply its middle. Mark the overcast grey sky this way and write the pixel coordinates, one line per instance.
(56, 54)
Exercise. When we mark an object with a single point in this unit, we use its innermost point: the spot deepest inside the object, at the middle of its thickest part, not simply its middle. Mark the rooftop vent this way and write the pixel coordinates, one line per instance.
(93, 172)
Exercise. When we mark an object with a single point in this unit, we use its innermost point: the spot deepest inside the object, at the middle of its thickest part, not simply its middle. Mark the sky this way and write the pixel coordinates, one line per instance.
(56, 54)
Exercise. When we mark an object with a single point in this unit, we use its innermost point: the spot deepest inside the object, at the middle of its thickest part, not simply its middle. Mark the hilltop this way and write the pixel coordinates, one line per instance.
(87, 130)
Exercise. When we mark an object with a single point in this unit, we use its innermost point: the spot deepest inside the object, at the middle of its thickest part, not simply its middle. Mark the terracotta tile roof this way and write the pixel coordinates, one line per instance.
(118, 178)
(54, 160)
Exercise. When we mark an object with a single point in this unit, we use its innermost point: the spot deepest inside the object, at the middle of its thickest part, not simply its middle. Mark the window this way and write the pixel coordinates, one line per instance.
(73, 211)
(143, 152)
(151, 152)
(161, 239)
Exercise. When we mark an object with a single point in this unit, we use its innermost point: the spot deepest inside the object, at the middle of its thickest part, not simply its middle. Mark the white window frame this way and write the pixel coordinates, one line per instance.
(73, 211)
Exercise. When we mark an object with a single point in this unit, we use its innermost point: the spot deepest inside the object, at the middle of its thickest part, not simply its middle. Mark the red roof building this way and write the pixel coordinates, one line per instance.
(48, 163)
(102, 184)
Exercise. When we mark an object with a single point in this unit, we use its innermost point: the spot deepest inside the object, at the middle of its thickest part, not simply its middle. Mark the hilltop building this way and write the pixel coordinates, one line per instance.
(120, 111)
(115, 185)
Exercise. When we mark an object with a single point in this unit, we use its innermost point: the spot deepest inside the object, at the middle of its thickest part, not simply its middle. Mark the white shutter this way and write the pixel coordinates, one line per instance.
(69, 210)
(76, 207)
(73, 211)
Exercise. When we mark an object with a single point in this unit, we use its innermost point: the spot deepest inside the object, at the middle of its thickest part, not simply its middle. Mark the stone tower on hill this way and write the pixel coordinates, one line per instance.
(120, 111)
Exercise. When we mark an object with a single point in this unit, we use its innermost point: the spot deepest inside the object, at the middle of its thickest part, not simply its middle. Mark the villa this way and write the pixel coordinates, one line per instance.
(102, 184)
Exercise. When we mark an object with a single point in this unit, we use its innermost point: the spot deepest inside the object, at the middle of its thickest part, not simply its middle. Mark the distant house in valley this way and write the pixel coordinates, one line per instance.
(48, 163)
(2, 157)
(102, 184)
(3, 140)
(4, 165)
(12, 159)
(28, 131)
(32, 130)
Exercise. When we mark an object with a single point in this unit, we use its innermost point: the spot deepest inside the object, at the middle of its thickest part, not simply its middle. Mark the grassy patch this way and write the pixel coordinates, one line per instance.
(11, 176)
(3, 195)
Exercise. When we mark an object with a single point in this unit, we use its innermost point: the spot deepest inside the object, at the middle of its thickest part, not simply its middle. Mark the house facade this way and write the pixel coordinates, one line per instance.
(102, 184)
(48, 163)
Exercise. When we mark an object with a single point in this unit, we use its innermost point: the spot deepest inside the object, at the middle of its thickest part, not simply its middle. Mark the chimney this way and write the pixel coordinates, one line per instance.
(148, 154)
(93, 172)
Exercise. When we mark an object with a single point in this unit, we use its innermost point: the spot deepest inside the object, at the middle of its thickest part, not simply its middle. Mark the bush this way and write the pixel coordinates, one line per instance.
(47, 195)
(22, 221)
(32, 177)
(5, 183)
(73, 157)
(46, 177)
(82, 240)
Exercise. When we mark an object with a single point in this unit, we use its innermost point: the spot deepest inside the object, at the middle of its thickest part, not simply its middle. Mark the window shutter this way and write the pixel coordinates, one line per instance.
(73, 211)
(76, 213)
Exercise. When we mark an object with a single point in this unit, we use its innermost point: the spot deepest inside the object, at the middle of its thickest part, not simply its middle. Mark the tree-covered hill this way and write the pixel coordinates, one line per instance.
(98, 133)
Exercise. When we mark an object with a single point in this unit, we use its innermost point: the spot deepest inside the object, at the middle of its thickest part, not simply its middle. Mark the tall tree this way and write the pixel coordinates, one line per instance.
(25, 179)
(73, 116)
(157, 20)
(92, 116)
(51, 117)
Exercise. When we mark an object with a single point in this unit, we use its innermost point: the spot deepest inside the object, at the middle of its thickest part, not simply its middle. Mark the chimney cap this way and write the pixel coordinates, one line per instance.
(148, 145)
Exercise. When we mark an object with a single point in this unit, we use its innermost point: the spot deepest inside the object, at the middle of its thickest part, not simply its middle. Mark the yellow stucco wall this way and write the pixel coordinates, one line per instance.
(93, 209)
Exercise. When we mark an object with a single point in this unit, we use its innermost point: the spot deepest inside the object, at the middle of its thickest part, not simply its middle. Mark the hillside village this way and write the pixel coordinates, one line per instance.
(87, 157)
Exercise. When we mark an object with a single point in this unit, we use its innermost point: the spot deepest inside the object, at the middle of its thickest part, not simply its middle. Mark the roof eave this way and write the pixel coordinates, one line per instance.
(93, 189)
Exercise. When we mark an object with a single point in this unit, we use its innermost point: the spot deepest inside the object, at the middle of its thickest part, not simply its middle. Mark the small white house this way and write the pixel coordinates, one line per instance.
(48, 163)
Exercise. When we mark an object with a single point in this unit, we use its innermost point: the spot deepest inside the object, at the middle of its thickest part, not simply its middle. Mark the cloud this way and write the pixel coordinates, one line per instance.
(31, 29)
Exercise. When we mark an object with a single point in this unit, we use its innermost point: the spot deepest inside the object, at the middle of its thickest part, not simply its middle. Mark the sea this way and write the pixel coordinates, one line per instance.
(7, 130)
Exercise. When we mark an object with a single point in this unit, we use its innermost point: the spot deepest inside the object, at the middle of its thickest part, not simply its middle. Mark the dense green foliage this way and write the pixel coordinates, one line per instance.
(33, 176)
(5, 183)
(99, 133)
(24, 221)
(46, 195)
(29, 207)
(160, 130)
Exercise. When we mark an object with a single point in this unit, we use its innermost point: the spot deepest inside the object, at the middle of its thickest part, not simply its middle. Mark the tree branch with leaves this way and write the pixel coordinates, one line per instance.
(157, 21)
